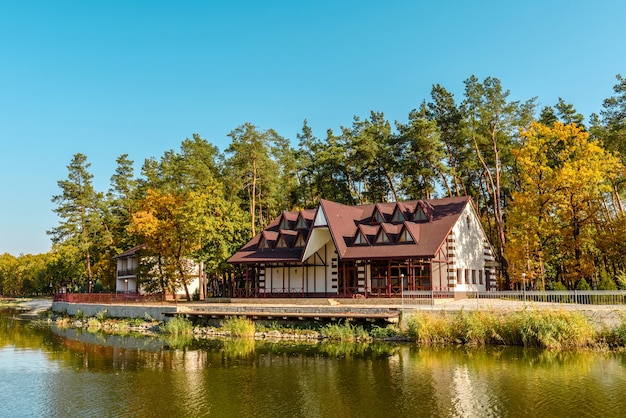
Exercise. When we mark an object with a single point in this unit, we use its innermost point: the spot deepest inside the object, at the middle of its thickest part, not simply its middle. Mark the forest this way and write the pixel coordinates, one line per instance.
(547, 184)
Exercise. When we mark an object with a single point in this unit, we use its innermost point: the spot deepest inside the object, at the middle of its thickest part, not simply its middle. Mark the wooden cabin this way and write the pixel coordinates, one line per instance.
(375, 250)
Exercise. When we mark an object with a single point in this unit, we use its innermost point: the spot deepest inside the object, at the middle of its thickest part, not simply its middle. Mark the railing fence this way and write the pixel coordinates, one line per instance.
(579, 297)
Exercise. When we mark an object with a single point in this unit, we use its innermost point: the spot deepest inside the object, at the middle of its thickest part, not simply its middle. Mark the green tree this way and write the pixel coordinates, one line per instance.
(491, 122)
(253, 172)
(421, 155)
(79, 210)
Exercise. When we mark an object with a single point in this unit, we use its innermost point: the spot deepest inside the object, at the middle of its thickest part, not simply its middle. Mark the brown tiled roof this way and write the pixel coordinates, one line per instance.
(130, 252)
(344, 221)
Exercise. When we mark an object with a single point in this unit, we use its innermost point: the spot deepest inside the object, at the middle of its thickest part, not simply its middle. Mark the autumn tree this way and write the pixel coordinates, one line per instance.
(555, 216)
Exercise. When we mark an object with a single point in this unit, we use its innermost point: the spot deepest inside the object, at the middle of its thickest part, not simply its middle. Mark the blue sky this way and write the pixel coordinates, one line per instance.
(138, 77)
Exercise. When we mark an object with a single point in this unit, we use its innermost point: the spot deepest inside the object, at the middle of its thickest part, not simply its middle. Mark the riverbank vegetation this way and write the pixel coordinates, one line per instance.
(548, 329)
(547, 184)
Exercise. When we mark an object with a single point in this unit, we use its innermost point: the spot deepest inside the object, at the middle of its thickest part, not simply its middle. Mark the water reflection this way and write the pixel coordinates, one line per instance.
(46, 372)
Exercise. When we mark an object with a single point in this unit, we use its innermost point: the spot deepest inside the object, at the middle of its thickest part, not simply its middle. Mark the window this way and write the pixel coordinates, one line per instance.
(420, 215)
(382, 238)
(468, 221)
(397, 216)
(262, 244)
(467, 276)
(459, 276)
(360, 239)
(480, 276)
(281, 242)
(378, 218)
(405, 236)
(284, 224)
(299, 241)
(301, 223)
(473, 276)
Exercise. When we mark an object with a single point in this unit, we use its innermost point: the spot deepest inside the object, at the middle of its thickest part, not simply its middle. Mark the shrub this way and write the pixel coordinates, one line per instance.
(606, 283)
(102, 315)
(384, 332)
(583, 284)
(239, 326)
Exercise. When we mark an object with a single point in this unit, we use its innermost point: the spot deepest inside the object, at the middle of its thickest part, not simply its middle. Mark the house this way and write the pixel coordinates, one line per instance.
(375, 250)
(126, 274)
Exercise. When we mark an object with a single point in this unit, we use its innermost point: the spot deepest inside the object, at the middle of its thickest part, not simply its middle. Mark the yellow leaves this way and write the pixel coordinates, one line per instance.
(564, 179)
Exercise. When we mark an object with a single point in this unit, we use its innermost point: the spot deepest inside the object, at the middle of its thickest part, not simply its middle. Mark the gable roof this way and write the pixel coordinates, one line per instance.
(344, 223)
(130, 252)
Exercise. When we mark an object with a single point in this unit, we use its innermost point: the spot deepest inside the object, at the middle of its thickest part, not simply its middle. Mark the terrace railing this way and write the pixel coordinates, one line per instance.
(578, 297)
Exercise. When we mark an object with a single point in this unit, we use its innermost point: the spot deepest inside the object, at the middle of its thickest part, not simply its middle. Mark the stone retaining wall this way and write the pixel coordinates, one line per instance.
(115, 311)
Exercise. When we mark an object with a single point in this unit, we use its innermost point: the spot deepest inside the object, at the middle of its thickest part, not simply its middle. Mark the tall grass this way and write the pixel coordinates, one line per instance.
(238, 326)
(344, 332)
(177, 325)
(529, 328)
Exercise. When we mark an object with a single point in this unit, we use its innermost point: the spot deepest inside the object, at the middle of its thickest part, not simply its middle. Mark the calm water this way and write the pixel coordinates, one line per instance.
(46, 372)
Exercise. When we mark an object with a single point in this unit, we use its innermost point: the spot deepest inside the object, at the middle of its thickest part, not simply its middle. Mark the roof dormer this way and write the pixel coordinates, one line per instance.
(405, 236)
(263, 243)
(284, 222)
(281, 242)
(382, 237)
(398, 215)
(301, 222)
(300, 242)
(360, 238)
(423, 212)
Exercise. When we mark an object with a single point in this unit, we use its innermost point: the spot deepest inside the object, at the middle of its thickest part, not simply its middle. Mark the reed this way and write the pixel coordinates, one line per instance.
(529, 327)
(344, 332)
(178, 325)
(238, 326)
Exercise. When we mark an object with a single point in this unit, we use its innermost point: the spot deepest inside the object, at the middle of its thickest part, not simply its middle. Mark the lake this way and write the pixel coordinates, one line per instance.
(72, 373)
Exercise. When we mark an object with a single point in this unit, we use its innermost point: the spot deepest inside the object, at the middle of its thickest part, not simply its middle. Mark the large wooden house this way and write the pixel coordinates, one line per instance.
(375, 250)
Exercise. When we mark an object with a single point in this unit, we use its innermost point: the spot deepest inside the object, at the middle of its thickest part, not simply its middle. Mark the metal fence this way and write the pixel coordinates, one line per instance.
(579, 297)
(106, 297)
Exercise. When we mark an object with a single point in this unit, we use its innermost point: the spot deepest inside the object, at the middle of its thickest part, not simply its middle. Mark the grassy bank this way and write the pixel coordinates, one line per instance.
(551, 329)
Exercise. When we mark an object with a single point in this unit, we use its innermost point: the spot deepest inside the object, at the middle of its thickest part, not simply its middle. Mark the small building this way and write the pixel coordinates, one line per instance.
(375, 250)
(126, 274)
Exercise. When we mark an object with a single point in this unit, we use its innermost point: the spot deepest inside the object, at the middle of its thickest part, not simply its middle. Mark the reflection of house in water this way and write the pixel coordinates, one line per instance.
(376, 250)
(128, 263)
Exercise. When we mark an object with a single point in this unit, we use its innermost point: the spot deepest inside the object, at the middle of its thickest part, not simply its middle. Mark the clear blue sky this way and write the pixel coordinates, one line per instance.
(112, 77)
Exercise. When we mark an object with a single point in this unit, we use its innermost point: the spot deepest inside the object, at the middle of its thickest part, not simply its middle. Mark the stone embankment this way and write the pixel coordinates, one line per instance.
(302, 309)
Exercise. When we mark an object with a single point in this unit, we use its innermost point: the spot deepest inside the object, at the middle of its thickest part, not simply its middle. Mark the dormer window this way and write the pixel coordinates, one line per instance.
(397, 216)
(405, 236)
(284, 223)
(281, 243)
(301, 224)
(382, 238)
(378, 218)
(263, 244)
(299, 242)
(360, 239)
(420, 215)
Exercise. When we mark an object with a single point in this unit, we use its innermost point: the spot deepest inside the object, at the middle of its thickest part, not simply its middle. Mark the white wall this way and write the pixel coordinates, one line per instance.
(469, 250)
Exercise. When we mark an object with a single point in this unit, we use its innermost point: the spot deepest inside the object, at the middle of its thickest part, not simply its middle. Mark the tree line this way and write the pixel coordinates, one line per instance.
(548, 187)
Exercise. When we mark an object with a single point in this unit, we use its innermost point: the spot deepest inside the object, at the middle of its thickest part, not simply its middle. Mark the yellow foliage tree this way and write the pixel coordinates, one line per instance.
(564, 180)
